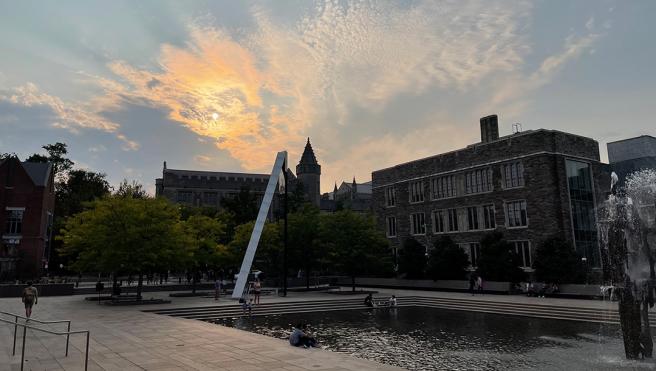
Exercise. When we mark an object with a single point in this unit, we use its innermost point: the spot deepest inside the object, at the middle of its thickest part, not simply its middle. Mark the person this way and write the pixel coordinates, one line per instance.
(479, 284)
(472, 283)
(217, 289)
(30, 298)
(392, 301)
(369, 301)
(247, 306)
(300, 337)
(257, 289)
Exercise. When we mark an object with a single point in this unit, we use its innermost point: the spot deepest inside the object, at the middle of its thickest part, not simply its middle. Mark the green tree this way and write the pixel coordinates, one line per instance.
(243, 205)
(499, 261)
(447, 261)
(204, 250)
(303, 239)
(56, 154)
(412, 259)
(355, 245)
(556, 261)
(133, 189)
(269, 251)
(125, 235)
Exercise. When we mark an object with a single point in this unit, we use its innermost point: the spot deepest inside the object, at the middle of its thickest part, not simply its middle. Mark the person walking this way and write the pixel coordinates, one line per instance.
(472, 283)
(30, 298)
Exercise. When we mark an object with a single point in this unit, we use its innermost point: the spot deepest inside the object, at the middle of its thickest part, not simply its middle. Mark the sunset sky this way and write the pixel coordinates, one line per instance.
(224, 85)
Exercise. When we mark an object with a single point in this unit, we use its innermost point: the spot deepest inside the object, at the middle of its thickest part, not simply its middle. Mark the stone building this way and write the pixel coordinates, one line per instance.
(208, 188)
(353, 196)
(27, 201)
(529, 185)
(629, 155)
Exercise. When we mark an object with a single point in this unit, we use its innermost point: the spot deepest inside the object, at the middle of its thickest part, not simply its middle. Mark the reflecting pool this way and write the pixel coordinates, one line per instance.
(419, 338)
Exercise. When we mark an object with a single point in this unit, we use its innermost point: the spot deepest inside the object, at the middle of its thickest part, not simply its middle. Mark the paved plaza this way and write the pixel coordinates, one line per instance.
(124, 338)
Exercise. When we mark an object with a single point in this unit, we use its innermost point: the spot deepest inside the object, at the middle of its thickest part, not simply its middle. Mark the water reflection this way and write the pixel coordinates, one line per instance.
(432, 339)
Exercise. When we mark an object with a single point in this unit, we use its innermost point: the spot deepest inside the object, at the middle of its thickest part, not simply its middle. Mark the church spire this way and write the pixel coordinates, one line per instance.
(308, 157)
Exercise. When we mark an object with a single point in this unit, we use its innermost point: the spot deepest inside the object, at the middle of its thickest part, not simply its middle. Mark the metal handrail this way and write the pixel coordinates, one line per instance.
(17, 316)
(67, 333)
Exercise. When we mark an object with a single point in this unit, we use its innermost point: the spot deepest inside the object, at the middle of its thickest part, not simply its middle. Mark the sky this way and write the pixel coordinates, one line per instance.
(225, 85)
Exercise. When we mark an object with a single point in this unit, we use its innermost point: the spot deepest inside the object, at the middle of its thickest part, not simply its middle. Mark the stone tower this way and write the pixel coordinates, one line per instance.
(308, 172)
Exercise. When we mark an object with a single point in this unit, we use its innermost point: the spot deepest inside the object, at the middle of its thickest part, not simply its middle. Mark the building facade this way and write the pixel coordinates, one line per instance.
(27, 201)
(352, 196)
(633, 154)
(530, 185)
(208, 188)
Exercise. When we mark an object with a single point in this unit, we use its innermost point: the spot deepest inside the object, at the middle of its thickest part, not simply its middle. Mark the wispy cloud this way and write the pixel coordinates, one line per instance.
(69, 116)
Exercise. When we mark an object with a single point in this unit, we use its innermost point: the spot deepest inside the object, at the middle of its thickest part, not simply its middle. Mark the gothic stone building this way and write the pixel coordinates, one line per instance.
(529, 185)
(27, 200)
(207, 188)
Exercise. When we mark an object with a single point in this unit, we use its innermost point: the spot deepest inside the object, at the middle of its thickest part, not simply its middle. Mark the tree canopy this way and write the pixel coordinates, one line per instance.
(56, 154)
(412, 259)
(556, 261)
(243, 206)
(498, 260)
(447, 261)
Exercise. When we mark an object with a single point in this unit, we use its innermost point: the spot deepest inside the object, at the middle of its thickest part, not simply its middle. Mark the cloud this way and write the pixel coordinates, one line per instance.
(70, 116)
(278, 82)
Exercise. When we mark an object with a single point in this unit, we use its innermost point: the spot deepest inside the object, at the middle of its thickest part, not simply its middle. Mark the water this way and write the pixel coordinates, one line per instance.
(418, 338)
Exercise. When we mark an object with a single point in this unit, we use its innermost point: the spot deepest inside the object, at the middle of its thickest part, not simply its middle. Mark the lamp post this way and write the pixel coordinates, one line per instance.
(584, 260)
(284, 259)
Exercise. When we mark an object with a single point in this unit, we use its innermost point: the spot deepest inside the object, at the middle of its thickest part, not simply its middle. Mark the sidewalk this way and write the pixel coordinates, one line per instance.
(124, 338)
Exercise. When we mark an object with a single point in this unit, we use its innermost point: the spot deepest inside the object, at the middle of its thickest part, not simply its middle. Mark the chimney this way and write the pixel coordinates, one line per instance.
(489, 128)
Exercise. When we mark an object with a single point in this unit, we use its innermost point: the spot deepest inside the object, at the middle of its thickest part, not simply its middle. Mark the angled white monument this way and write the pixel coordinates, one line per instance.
(242, 278)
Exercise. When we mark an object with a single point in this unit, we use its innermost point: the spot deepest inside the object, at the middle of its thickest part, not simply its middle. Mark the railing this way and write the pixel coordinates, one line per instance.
(25, 326)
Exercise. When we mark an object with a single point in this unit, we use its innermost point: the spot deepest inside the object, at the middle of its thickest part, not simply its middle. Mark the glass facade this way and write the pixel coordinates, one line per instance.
(584, 224)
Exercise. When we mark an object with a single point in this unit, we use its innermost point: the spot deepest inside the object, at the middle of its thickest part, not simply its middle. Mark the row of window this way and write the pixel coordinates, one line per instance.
(472, 218)
(522, 248)
(14, 221)
(475, 181)
(209, 198)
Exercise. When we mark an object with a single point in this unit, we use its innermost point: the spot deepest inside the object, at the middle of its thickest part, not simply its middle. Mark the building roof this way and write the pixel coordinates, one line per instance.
(633, 138)
(217, 174)
(308, 156)
(39, 172)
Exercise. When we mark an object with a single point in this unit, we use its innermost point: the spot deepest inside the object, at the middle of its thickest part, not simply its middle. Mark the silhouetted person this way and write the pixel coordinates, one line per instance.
(30, 298)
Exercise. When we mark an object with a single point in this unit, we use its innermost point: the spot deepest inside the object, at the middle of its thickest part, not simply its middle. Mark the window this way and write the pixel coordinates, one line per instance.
(391, 226)
(439, 221)
(14, 221)
(472, 218)
(210, 198)
(473, 251)
(452, 220)
(390, 196)
(184, 196)
(416, 192)
(513, 175)
(478, 181)
(443, 187)
(418, 223)
(489, 217)
(516, 212)
(523, 249)
(581, 197)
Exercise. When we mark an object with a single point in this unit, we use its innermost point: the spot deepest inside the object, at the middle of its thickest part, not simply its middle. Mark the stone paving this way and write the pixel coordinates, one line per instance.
(124, 338)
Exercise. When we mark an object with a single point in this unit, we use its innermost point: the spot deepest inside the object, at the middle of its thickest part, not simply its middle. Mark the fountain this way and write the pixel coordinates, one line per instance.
(628, 236)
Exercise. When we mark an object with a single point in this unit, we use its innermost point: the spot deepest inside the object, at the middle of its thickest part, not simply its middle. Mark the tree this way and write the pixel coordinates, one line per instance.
(133, 189)
(447, 261)
(303, 235)
(204, 250)
(269, 252)
(56, 155)
(243, 206)
(412, 259)
(499, 261)
(125, 235)
(355, 245)
(556, 261)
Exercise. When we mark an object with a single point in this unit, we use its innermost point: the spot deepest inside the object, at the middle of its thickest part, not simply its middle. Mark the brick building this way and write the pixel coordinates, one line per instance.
(27, 199)
(529, 185)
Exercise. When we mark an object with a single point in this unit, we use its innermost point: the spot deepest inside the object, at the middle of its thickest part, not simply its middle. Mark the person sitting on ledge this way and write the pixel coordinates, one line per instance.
(369, 301)
(392, 301)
